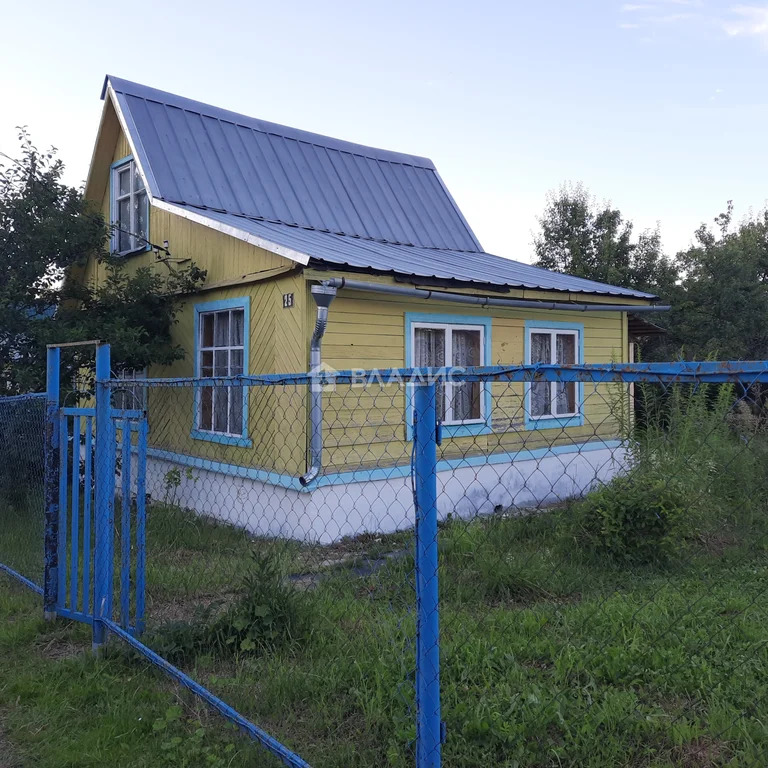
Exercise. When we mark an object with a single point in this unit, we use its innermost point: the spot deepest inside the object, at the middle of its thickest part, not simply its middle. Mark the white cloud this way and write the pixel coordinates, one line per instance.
(749, 21)
(745, 20)
(670, 18)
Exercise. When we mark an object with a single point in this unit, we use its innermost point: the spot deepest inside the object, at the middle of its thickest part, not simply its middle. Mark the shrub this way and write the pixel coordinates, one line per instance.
(696, 465)
(639, 517)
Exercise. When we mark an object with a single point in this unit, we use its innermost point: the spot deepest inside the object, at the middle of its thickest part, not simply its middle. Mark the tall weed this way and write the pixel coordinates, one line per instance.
(696, 464)
(268, 614)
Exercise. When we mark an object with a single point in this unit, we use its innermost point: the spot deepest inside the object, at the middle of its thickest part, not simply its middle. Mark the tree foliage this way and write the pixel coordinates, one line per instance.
(47, 232)
(579, 237)
(718, 288)
(721, 305)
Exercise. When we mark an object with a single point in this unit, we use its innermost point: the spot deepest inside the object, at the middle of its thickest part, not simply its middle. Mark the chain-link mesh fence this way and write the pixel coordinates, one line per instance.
(602, 551)
(295, 604)
(22, 471)
(607, 606)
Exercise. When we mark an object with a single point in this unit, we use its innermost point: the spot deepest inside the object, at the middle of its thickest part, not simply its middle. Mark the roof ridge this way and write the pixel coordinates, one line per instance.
(130, 88)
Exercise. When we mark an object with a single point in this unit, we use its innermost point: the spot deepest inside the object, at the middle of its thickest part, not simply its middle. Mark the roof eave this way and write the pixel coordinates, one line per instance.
(475, 285)
(240, 234)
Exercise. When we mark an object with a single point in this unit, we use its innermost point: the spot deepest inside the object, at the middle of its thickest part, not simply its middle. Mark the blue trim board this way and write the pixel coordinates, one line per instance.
(121, 161)
(379, 473)
(244, 303)
(553, 422)
(449, 430)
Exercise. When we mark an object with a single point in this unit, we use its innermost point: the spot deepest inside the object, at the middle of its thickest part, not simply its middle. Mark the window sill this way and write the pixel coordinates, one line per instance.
(554, 422)
(456, 430)
(214, 437)
(132, 252)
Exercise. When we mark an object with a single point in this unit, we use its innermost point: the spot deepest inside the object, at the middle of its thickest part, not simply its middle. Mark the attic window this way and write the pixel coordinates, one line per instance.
(130, 208)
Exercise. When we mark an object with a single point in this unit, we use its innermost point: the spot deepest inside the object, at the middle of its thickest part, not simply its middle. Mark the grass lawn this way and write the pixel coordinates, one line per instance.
(549, 658)
(60, 706)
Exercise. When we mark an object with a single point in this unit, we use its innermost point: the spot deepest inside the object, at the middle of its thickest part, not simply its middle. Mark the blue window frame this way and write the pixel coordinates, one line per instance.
(461, 341)
(221, 349)
(552, 404)
(129, 208)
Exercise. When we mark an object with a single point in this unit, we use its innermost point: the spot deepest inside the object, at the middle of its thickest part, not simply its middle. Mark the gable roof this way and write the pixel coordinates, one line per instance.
(312, 198)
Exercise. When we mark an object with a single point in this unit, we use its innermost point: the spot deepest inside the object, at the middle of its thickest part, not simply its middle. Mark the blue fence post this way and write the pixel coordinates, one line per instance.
(51, 482)
(141, 523)
(429, 728)
(103, 557)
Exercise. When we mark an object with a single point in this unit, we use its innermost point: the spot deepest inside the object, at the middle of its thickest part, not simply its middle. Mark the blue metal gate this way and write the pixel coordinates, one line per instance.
(83, 465)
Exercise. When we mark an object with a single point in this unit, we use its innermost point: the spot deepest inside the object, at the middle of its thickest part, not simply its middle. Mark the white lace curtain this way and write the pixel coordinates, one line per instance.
(466, 394)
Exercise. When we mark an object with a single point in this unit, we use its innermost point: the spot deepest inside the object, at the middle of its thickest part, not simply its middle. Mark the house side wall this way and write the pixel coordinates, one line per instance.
(367, 428)
(276, 415)
(277, 337)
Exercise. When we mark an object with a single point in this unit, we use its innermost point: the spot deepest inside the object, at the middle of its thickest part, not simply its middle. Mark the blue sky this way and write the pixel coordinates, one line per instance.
(658, 106)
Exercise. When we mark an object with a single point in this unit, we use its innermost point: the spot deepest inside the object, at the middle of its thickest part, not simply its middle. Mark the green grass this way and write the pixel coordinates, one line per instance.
(60, 706)
(550, 657)
(22, 522)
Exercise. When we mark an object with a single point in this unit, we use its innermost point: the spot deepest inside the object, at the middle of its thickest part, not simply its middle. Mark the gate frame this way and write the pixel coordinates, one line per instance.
(103, 564)
(104, 475)
(51, 482)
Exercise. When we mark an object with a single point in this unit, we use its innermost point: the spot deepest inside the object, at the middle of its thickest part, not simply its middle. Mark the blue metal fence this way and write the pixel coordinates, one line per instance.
(97, 465)
(22, 471)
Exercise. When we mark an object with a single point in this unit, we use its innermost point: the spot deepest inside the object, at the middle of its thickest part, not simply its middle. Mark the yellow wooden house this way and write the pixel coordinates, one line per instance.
(321, 253)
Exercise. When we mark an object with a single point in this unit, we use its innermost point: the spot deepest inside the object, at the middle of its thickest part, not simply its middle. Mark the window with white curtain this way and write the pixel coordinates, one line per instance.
(220, 353)
(552, 399)
(454, 346)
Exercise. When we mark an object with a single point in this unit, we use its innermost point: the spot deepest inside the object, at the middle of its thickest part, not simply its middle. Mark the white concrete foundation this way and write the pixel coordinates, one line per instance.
(331, 512)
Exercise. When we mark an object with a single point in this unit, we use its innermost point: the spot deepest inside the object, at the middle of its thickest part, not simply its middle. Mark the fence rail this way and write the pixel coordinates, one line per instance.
(517, 565)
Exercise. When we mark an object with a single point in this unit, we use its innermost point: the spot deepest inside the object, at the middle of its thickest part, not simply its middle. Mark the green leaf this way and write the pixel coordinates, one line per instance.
(173, 713)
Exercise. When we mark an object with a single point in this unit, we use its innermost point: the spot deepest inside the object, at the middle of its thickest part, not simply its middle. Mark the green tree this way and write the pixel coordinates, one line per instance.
(721, 307)
(578, 237)
(47, 231)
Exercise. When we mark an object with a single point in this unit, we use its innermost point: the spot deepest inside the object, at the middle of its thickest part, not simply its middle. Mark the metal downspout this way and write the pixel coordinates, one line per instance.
(323, 296)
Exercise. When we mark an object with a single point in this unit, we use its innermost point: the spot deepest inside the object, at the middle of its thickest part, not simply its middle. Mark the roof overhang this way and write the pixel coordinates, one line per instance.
(228, 229)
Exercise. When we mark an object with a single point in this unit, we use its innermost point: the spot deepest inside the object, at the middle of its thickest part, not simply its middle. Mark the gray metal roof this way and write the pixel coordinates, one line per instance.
(334, 201)
(214, 159)
(415, 261)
